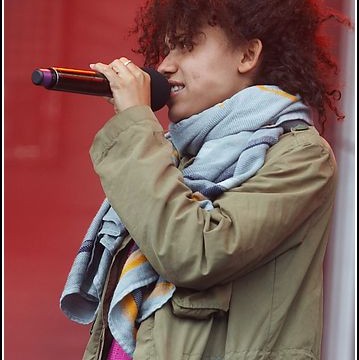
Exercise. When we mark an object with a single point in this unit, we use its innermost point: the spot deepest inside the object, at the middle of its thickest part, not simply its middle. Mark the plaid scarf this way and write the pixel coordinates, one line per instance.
(229, 143)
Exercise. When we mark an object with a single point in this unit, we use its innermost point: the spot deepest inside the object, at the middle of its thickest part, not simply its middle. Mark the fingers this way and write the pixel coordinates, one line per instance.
(122, 65)
(130, 85)
(106, 70)
(120, 69)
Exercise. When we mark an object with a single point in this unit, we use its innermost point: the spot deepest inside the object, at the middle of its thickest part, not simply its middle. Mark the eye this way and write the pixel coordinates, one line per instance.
(184, 44)
(181, 43)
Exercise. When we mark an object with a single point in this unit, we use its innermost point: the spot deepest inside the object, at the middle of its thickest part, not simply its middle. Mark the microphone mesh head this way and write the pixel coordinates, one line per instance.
(160, 89)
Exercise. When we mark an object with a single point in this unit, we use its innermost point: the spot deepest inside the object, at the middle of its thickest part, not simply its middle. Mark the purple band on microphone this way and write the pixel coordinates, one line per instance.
(47, 79)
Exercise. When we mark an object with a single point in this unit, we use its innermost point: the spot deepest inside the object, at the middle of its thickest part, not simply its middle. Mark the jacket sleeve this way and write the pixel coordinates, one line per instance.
(187, 245)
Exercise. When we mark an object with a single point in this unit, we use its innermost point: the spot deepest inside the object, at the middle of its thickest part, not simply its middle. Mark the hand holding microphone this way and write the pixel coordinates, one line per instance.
(128, 84)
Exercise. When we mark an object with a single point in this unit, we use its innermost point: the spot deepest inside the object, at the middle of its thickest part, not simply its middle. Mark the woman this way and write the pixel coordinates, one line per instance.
(213, 235)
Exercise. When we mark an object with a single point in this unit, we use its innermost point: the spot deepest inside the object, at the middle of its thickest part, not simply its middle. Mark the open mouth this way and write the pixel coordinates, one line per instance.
(176, 88)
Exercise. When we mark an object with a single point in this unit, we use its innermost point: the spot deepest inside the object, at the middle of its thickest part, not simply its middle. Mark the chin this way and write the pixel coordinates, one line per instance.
(177, 116)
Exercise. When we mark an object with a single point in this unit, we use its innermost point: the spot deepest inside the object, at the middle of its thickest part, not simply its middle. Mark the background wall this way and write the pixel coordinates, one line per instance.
(51, 191)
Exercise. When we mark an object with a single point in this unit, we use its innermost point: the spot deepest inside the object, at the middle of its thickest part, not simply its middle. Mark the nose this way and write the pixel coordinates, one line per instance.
(168, 66)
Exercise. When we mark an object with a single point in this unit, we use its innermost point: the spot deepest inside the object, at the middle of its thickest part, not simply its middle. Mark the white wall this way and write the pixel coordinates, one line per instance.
(340, 265)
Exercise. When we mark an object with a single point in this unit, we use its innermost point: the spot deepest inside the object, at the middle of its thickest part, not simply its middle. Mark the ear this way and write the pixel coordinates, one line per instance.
(250, 55)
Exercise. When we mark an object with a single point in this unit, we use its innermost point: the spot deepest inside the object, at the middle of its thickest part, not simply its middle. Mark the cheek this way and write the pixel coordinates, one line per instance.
(199, 75)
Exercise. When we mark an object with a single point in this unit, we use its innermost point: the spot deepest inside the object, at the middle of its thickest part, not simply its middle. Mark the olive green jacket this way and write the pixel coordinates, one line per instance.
(249, 272)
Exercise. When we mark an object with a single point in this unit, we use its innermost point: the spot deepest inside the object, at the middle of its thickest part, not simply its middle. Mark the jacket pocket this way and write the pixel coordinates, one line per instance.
(188, 303)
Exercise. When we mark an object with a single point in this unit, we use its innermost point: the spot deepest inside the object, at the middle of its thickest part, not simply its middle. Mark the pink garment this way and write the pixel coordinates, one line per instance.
(117, 353)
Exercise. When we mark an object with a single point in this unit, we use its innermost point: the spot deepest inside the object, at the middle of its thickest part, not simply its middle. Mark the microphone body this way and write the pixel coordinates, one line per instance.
(94, 83)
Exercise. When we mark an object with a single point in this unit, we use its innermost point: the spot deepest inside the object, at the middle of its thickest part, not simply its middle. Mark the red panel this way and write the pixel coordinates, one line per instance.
(51, 191)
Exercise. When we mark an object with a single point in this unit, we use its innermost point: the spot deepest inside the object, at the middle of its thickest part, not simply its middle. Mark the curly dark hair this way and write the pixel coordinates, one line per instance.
(295, 53)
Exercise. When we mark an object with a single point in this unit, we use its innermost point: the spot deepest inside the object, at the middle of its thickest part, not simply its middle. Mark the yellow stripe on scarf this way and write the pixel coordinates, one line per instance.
(278, 92)
(135, 259)
(129, 307)
(160, 289)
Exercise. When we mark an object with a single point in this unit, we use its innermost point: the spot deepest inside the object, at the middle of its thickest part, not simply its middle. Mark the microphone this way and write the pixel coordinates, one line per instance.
(94, 83)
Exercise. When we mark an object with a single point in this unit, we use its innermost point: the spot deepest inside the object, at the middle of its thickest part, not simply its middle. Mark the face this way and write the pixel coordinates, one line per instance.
(203, 76)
